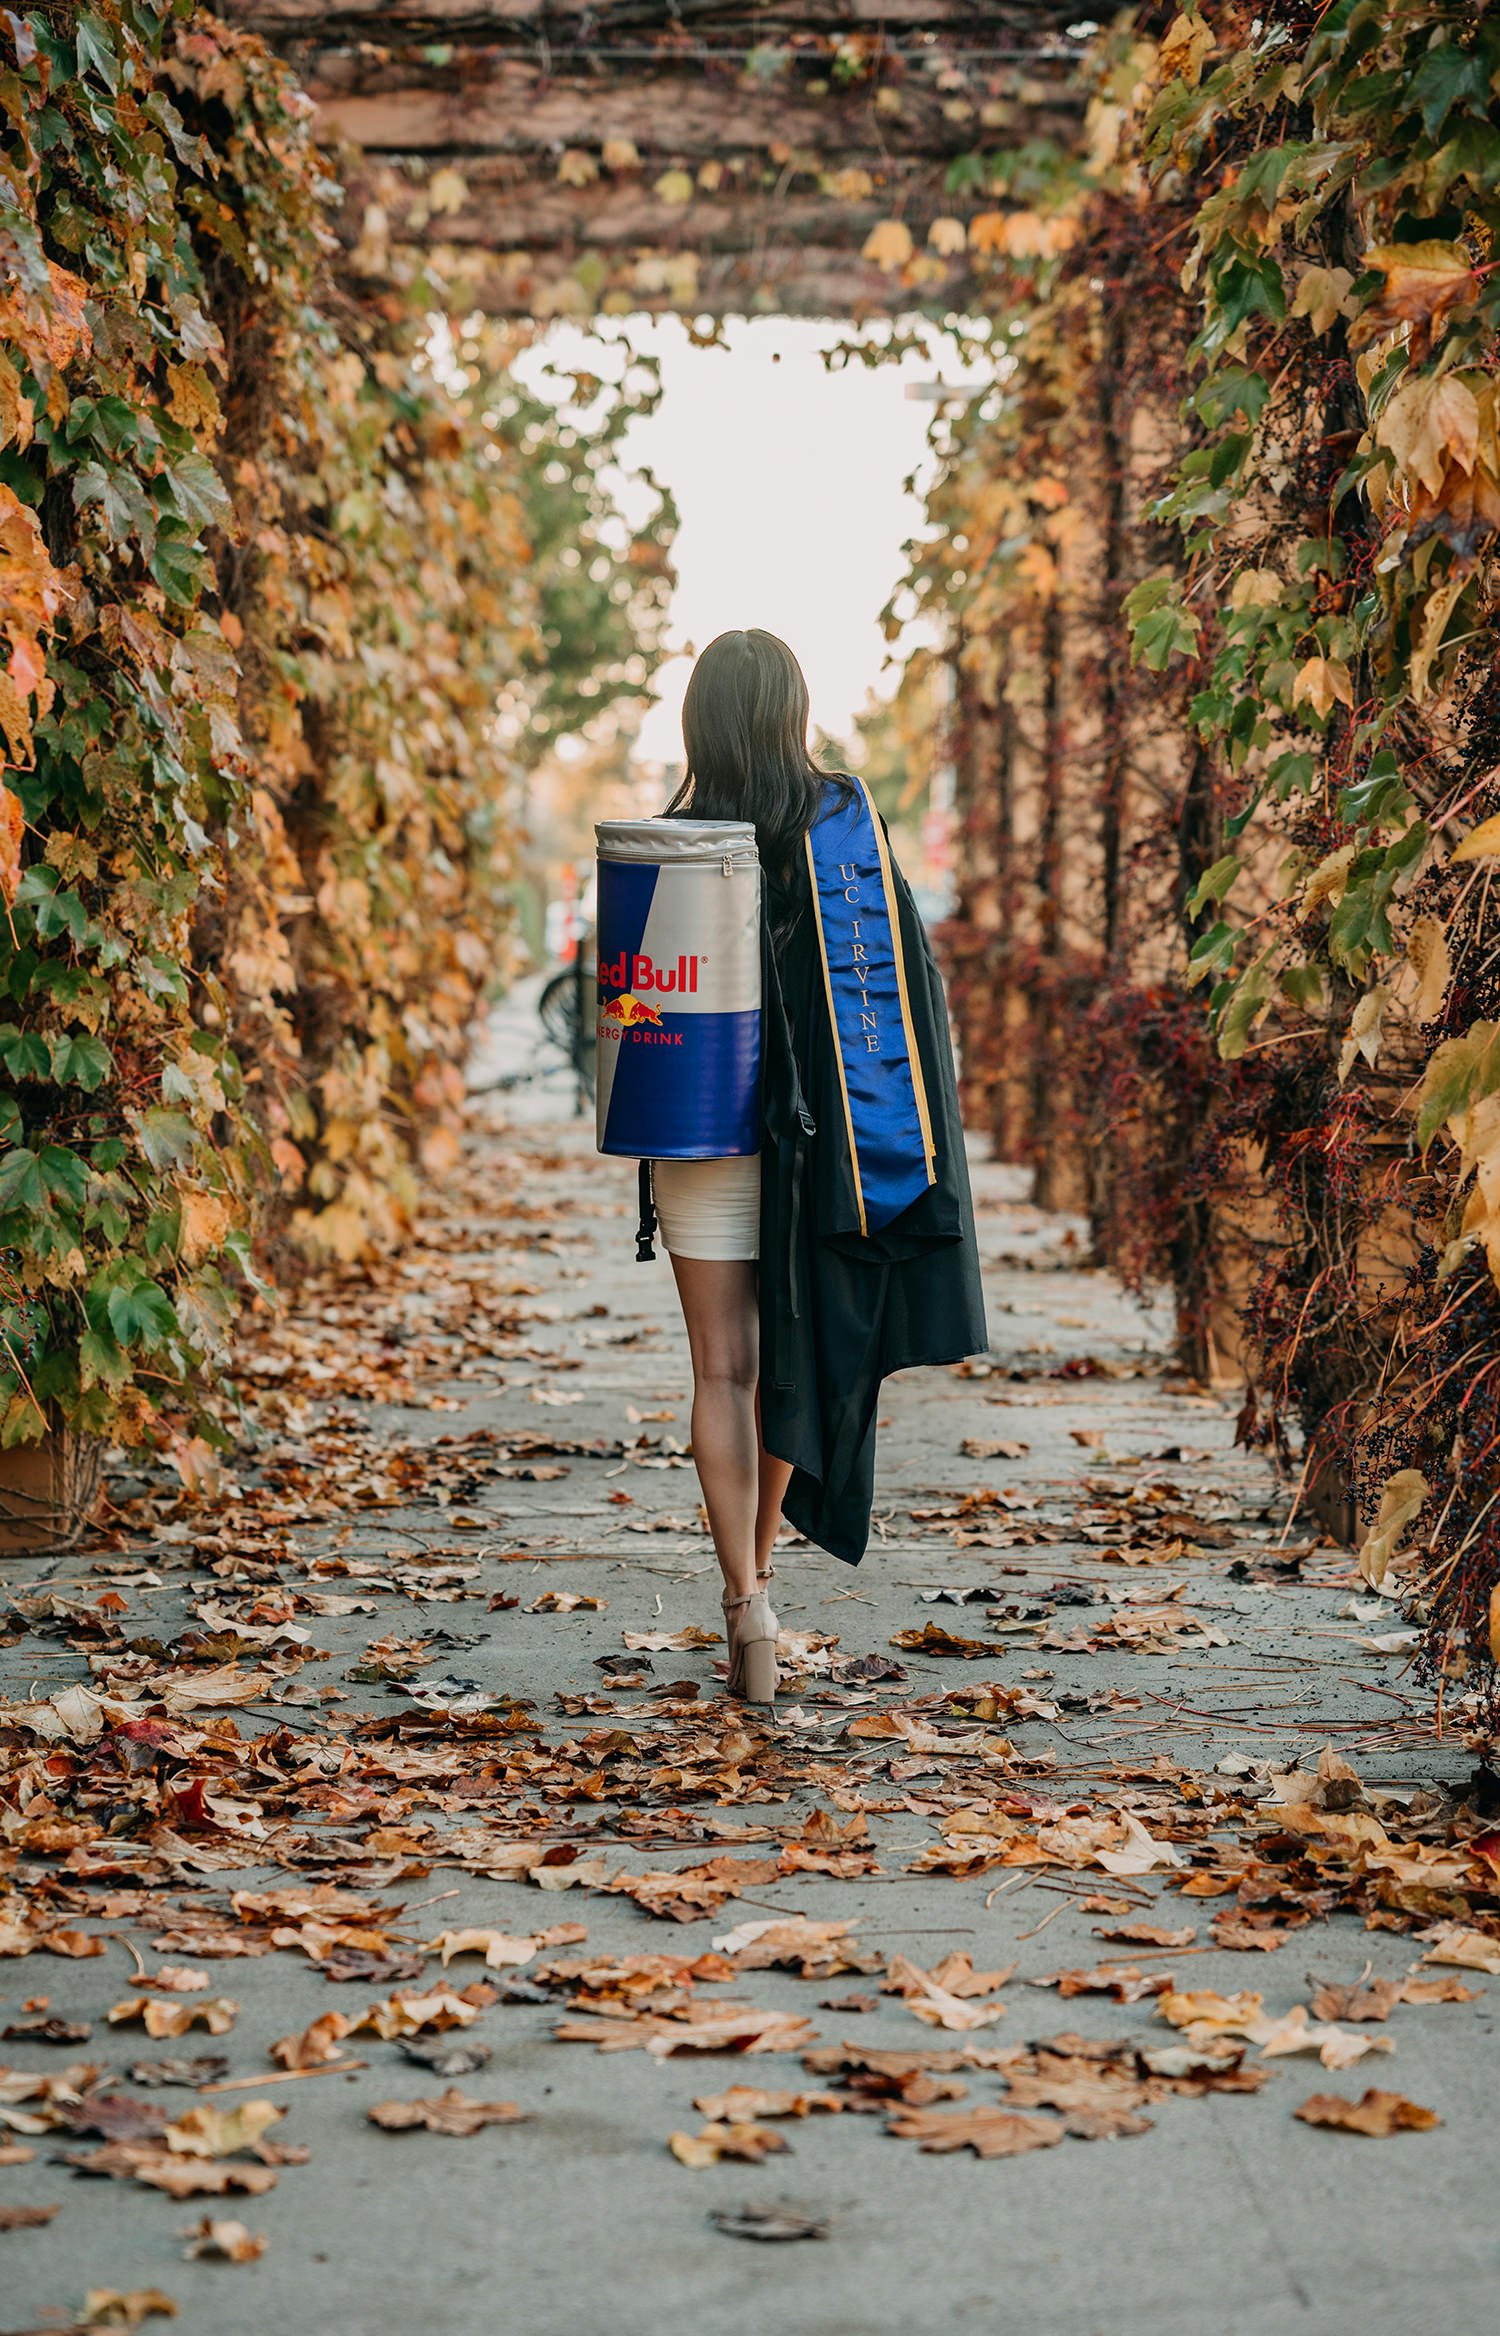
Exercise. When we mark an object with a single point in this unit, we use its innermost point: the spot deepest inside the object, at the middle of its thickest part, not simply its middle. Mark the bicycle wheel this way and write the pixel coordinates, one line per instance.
(557, 1011)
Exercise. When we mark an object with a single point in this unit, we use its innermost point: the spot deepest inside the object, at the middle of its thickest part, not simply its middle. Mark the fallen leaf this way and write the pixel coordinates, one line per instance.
(451, 2113)
(316, 2046)
(208, 2132)
(107, 2307)
(180, 2177)
(1439, 1991)
(934, 1639)
(231, 2242)
(206, 2069)
(697, 2027)
(1126, 1985)
(499, 1948)
(26, 2218)
(747, 2143)
(816, 1950)
(1470, 1950)
(1145, 1934)
(405, 2014)
(216, 2013)
(671, 1642)
(747, 2104)
(1374, 1999)
(768, 2223)
(1375, 2113)
(989, 2132)
(447, 2056)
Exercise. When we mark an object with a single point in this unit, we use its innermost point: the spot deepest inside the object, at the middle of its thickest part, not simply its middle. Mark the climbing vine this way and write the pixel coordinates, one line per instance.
(269, 586)
(1245, 392)
(1340, 517)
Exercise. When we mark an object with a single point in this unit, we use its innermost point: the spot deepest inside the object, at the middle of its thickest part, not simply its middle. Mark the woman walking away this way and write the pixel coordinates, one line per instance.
(845, 1249)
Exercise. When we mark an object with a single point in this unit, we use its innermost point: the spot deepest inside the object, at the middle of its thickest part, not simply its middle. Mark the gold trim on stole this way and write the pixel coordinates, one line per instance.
(833, 1031)
(893, 913)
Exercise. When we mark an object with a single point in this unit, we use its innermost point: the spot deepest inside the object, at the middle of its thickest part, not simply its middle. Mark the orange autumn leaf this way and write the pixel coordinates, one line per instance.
(12, 828)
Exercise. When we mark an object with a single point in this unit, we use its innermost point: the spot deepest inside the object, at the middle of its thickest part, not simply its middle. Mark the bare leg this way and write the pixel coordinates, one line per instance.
(774, 1477)
(719, 1306)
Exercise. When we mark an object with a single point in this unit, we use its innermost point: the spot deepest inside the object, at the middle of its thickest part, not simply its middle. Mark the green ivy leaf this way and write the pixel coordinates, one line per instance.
(21, 1185)
(168, 1138)
(1161, 635)
(96, 51)
(102, 1362)
(1213, 884)
(64, 1174)
(25, 1053)
(84, 1062)
(142, 1315)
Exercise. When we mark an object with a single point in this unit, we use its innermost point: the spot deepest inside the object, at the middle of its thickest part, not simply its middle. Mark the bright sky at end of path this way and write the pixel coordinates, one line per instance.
(790, 487)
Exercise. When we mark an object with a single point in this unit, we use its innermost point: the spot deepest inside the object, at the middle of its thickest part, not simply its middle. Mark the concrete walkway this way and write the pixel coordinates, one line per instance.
(1156, 1647)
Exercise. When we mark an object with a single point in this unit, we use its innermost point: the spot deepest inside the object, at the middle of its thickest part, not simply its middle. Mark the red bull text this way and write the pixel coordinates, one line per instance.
(637, 973)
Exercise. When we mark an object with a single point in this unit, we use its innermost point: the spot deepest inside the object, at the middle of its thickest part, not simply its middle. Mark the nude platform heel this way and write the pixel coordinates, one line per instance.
(753, 1673)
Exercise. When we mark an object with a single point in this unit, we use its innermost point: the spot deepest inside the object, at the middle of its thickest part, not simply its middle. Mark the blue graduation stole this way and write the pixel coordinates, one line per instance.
(886, 1120)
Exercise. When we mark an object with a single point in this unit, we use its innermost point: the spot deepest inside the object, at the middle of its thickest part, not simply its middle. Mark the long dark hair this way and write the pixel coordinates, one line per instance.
(744, 728)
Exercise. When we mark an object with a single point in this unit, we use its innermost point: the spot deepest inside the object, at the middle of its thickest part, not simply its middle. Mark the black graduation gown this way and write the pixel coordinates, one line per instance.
(840, 1310)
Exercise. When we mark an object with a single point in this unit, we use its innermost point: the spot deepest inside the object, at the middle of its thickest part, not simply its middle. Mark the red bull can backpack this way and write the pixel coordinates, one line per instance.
(679, 989)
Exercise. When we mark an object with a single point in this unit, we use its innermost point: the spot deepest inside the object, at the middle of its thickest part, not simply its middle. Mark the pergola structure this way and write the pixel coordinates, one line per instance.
(803, 156)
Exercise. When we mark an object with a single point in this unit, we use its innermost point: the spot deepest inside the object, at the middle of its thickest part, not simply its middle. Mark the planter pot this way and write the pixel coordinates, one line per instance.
(47, 1491)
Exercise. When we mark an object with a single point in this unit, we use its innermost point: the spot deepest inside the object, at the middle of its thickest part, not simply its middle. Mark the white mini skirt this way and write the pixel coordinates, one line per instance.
(709, 1208)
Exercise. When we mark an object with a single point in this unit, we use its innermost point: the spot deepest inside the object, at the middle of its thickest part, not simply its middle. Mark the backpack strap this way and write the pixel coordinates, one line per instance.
(645, 1249)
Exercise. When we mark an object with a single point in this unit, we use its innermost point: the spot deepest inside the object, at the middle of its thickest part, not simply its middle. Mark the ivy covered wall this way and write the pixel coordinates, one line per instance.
(1218, 556)
(268, 575)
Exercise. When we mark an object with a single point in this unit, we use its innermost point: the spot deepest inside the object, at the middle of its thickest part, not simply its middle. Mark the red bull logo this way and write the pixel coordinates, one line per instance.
(634, 973)
(628, 1011)
(624, 1017)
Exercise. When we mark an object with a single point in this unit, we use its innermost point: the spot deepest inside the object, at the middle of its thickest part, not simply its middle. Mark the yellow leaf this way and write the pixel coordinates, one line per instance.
(850, 186)
(1428, 423)
(1427, 955)
(1321, 682)
(1400, 1500)
(889, 245)
(1328, 879)
(193, 399)
(1436, 611)
(447, 190)
(675, 186)
(1481, 842)
(988, 231)
(1185, 49)
(947, 236)
(1256, 588)
(206, 1219)
(12, 828)
(620, 153)
(1322, 296)
(15, 407)
(1423, 281)
(54, 329)
(575, 168)
(1363, 1036)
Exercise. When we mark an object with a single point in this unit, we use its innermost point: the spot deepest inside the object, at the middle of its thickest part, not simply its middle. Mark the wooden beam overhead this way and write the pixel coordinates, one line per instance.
(393, 21)
(505, 209)
(751, 149)
(793, 281)
(506, 106)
